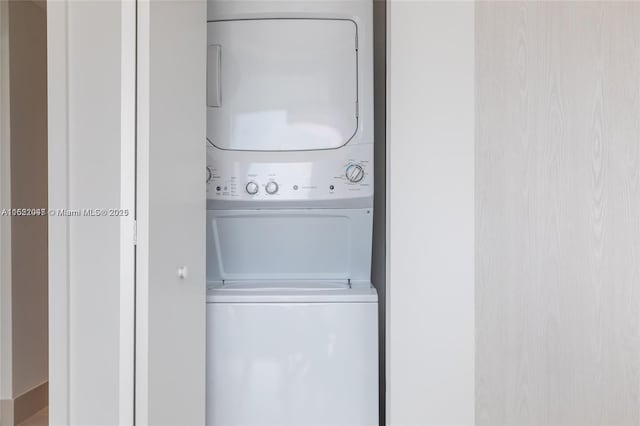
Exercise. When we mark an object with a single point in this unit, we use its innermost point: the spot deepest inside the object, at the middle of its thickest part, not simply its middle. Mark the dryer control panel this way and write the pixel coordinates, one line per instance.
(292, 177)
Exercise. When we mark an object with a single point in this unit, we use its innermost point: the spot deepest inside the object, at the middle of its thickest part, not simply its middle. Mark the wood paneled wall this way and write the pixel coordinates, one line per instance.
(557, 213)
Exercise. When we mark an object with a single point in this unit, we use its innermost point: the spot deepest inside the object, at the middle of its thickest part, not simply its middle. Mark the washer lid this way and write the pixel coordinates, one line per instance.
(282, 84)
(306, 291)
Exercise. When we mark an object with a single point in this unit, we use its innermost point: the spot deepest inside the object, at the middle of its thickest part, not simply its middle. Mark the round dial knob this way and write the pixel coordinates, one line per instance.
(209, 175)
(354, 173)
(271, 188)
(252, 188)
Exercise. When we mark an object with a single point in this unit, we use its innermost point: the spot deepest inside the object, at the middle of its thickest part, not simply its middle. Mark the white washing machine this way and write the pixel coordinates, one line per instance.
(291, 313)
(294, 354)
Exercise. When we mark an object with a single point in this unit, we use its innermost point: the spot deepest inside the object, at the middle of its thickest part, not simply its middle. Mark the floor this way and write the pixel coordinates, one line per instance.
(41, 418)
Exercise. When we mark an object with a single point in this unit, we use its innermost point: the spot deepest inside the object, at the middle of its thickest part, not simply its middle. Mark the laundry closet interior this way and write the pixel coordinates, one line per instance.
(295, 221)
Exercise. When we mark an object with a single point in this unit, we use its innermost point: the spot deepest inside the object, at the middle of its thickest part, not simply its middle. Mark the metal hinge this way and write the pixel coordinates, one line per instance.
(356, 41)
(357, 109)
(135, 233)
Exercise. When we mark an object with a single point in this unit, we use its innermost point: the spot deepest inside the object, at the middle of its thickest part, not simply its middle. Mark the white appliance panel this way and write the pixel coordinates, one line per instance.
(299, 176)
(311, 244)
(292, 364)
(282, 84)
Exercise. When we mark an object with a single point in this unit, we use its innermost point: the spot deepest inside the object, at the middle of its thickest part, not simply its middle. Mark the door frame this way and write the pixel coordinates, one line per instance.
(58, 115)
(128, 237)
(59, 241)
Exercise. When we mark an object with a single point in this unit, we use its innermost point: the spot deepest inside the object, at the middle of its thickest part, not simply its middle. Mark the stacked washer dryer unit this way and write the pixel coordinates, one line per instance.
(291, 312)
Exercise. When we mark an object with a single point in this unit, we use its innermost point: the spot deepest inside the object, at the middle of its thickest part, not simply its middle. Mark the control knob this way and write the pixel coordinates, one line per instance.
(252, 188)
(354, 173)
(271, 187)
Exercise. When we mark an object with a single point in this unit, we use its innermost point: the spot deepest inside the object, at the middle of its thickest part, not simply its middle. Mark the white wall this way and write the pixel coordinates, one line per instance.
(430, 208)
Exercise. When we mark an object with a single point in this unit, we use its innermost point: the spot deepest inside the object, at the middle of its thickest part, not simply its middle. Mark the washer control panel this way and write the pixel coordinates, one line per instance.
(323, 179)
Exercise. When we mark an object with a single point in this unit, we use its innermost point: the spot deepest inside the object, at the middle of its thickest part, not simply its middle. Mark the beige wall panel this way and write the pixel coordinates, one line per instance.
(558, 213)
(29, 255)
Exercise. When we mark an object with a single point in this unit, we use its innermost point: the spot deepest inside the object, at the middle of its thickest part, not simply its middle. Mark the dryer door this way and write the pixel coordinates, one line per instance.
(282, 84)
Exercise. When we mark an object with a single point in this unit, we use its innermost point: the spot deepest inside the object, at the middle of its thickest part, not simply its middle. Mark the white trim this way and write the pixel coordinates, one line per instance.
(57, 86)
(142, 206)
(127, 201)
(387, 225)
(6, 391)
